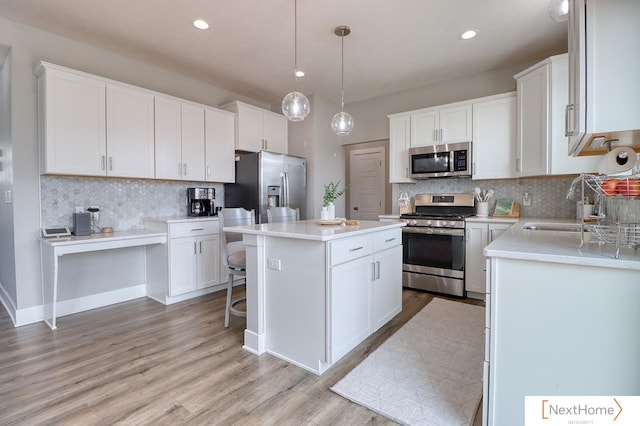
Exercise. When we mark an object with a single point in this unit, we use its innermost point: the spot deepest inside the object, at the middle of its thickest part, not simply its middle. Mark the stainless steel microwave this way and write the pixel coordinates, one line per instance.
(449, 159)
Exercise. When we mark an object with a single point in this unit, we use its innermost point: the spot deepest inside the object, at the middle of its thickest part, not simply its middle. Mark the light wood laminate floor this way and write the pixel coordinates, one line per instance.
(141, 362)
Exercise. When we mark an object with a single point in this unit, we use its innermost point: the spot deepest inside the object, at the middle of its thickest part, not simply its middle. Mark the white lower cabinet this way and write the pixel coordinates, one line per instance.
(365, 289)
(477, 236)
(190, 262)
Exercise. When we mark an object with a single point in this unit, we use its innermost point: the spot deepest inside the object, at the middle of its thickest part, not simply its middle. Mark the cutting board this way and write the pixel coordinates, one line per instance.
(506, 207)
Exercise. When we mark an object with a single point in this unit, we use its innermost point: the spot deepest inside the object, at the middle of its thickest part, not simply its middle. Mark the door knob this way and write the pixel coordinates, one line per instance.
(355, 208)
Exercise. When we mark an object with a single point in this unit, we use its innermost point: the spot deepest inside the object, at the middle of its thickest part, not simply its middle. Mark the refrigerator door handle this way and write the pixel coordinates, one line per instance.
(285, 178)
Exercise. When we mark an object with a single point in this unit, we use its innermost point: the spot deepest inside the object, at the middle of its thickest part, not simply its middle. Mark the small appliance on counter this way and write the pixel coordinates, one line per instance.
(82, 223)
(200, 201)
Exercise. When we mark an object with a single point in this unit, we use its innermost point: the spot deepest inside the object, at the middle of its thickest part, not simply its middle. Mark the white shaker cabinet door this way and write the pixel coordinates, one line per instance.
(219, 146)
(425, 128)
(387, 286)
(208, 248)
(249, 128)
(350, 305)
(494, 138)
(192, 142)
(168, 131)
(183, 265)
(455, 124)
(474, 266)
(399, 144)
(72, 109)
(130, 133)
(275, 133)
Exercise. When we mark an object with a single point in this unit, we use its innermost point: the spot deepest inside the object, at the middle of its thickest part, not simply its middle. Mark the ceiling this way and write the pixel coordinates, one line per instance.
(249, 49)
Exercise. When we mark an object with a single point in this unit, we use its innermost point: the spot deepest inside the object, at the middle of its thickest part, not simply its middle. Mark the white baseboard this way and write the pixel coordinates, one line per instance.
(34, 314)
(8, 304)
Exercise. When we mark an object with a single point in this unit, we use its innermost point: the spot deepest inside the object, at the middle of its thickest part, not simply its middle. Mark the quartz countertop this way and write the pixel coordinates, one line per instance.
(559, 247)
(311, 230)
(491, 219)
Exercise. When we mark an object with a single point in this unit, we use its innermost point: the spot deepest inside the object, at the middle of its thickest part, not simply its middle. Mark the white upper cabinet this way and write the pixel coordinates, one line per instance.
(92, 127)
(130, 134)
(604, 59)
(219, 145)
(494, 137)
(399, 144)
(72, 110)
(542, 144)
(444, 124)
(179, 140)
(258, 129)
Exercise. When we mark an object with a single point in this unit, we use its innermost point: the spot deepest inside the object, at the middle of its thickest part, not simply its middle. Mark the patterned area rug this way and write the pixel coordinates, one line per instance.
(429, 372)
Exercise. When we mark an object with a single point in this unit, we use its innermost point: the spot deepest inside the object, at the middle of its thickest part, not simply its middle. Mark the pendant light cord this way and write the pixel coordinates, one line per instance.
(342, 77)
(295, 44)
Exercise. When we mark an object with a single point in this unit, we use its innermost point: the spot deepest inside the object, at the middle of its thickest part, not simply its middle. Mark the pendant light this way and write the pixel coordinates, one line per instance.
(559, 10)
(342, 122)
(295, 106)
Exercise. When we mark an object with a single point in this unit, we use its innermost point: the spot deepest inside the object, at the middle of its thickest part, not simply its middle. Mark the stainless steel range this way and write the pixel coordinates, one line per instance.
(434, 243)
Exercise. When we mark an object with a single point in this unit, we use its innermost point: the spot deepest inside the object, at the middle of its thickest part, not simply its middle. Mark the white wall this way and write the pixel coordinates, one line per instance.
(370, 116)
(314, 140)
(28, 47)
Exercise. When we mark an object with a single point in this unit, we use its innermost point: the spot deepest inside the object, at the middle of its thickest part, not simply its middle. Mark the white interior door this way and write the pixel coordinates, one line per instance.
(366, 184)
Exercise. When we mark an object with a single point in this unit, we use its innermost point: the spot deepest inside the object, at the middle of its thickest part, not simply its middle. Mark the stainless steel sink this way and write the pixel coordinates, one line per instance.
(556, 227)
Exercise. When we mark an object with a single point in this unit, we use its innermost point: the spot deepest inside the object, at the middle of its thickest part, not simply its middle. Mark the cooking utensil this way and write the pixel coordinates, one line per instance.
(477, 192)
(489, 195)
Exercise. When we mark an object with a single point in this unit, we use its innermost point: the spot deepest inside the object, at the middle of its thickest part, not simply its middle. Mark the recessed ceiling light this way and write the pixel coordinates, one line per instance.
(200, 24)
(300, 73)
(469, 34)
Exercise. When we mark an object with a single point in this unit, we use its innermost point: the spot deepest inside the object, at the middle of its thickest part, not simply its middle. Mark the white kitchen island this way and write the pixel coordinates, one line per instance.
(562, 320)
(315, 291)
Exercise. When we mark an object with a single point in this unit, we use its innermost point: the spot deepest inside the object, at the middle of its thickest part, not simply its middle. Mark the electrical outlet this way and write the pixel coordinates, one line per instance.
(274, 264)
(526, 199)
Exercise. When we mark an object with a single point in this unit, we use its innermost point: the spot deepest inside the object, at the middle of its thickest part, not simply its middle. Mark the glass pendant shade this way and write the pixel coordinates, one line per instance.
(342, 123)
(559, 9)
(295, 106)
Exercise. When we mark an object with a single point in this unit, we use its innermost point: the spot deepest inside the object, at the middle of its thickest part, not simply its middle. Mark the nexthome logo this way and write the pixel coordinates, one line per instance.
(550, 409)
(582, 410)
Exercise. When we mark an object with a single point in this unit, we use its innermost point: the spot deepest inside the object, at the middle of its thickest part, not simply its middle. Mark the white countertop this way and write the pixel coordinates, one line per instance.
(311, 230)
(559, 247)
(100, 238)
(179, 219)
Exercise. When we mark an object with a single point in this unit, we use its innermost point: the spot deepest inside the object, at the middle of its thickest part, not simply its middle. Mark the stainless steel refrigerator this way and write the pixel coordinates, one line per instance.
(266, 179)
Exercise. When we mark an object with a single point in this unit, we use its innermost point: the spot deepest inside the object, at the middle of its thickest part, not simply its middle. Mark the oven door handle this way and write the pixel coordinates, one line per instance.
(432, 231)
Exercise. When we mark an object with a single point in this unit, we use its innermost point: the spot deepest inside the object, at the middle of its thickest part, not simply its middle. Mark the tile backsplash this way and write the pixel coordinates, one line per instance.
(548, 194)
(123, 202)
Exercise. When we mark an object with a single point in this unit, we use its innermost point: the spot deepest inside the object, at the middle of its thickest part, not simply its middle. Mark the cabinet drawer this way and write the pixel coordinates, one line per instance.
(387, 239)
(195, 228)
(348, 249)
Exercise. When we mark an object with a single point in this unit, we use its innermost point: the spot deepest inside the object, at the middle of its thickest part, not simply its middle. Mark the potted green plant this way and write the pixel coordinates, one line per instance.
(332, 192)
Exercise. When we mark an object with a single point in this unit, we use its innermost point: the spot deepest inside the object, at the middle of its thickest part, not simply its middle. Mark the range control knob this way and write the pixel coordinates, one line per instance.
(429, 223)
(413, 222)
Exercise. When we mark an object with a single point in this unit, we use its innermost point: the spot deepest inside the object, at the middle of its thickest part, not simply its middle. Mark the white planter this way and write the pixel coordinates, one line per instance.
(324, 213)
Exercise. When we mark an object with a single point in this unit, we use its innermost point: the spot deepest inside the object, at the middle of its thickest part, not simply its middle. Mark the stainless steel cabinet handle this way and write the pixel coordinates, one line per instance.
(266, 144)
(517, 164)
(184, 169)
(473, 168)
(567, 109)
(197, 229)
(389, 240)
(110, 163)
(441, 138)
(208, 170)
(356, 249)
(179, 169)
(200, 247)
(103, 162)
(378, 270)
(373, 271)
(406, 171)
(435, 134)
(195, 249)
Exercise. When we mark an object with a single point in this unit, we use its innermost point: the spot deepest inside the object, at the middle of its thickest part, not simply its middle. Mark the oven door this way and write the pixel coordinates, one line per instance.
(435, 251)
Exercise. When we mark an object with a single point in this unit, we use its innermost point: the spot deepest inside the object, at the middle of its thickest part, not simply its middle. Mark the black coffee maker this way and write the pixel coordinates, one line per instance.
(200, 201)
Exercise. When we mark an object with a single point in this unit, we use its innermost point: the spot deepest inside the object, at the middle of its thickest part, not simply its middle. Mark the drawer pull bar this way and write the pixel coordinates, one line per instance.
(389, 240)
(197, 229)
(356, 249)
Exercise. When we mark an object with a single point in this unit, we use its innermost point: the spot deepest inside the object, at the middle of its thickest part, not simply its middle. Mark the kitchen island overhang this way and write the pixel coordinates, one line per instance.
(315, 291)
